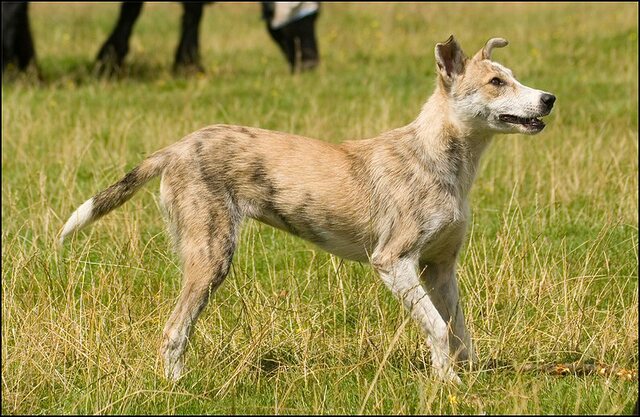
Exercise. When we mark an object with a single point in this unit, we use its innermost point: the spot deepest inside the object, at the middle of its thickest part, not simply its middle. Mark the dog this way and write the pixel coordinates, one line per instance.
(398, 201)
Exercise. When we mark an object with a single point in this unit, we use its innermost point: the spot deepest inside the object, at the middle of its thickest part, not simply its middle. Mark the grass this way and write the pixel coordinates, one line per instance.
(549, 272)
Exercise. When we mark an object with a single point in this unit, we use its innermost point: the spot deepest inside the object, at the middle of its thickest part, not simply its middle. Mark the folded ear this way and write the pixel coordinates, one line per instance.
(485, 53)
(450, 60)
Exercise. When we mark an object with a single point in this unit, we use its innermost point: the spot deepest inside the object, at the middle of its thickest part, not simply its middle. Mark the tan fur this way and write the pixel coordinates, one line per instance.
(398, 200)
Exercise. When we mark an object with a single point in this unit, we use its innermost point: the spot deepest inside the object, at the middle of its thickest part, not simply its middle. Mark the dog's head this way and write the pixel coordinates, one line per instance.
(485, 94)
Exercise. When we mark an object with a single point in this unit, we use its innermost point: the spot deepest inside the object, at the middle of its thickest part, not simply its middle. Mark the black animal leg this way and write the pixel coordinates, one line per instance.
(115, 49)
(188, 51)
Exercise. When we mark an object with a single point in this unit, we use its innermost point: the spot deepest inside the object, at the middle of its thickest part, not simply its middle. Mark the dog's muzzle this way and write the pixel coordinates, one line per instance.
(532, 124)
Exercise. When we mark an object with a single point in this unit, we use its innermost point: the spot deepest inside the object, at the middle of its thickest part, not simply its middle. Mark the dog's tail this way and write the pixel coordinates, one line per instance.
(117, 194)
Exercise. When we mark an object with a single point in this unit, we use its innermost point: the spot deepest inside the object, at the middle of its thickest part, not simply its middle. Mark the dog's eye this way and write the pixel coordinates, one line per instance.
(496, 81)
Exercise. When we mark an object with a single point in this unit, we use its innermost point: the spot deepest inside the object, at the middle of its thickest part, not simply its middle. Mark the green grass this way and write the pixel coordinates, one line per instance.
(549, 273)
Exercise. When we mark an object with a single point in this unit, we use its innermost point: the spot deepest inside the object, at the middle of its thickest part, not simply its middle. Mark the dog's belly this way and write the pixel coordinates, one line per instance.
(346, 249)
(336, 242)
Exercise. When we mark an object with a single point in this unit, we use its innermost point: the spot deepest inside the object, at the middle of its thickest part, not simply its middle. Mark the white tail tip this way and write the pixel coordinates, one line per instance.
(79, 219)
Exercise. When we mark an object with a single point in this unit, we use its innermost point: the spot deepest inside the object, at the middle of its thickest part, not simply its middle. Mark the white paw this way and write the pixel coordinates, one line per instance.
(173, 369)
(452, 377)
(448, 375)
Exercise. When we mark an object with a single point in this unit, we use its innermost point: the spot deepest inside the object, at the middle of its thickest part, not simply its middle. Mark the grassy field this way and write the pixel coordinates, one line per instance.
(549, 273)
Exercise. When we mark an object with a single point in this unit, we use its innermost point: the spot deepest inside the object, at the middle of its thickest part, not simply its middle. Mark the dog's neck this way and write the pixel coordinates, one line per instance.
(451, 143)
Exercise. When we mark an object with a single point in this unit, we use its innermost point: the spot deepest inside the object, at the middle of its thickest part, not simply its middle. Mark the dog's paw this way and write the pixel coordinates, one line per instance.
(173, 370)
(172, 353)
(453, 378)
(448, 375)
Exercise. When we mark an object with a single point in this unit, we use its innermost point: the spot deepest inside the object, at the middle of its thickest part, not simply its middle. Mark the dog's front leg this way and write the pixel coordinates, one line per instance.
(439, 279)
(401, 277)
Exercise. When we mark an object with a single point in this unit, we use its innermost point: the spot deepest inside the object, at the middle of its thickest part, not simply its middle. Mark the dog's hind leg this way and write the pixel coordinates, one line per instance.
(441, 284)
(206, 230)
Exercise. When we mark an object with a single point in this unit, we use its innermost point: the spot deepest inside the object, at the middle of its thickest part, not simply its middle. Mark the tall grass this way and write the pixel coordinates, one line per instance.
(549, 273)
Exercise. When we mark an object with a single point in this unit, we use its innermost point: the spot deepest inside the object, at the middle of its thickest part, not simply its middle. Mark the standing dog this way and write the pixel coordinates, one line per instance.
(398, 201)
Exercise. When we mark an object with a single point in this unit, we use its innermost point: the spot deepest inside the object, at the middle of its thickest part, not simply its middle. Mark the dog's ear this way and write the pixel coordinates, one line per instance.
(485, 53)
(450, 60)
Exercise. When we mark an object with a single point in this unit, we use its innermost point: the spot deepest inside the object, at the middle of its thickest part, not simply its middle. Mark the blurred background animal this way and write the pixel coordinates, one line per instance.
(292, 27)
(290, 24)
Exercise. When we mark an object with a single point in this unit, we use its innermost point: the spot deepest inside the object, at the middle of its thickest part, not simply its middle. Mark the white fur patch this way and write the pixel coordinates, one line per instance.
(288, 11)
(79, 219)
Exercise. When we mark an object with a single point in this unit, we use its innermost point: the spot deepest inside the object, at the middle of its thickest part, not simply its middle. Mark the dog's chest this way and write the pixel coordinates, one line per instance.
(446, 241)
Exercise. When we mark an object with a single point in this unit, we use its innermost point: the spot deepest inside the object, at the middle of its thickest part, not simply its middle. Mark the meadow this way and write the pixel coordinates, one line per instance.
(549, 272)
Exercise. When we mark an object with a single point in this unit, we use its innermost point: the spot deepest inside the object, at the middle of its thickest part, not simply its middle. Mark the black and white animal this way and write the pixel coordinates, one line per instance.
(290, 24)
(292, 27)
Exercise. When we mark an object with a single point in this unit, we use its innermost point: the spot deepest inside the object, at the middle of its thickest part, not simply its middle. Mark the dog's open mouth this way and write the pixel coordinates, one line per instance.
(531, 123)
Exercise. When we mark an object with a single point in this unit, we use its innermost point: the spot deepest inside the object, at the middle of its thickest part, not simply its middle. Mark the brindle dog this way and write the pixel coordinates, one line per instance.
(398, 200)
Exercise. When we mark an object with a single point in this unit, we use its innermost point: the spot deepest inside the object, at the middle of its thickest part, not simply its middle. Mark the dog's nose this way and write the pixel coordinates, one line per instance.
(548, 100)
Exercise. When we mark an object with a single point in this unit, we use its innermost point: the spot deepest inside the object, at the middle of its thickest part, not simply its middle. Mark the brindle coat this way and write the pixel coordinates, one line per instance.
(398, 201)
